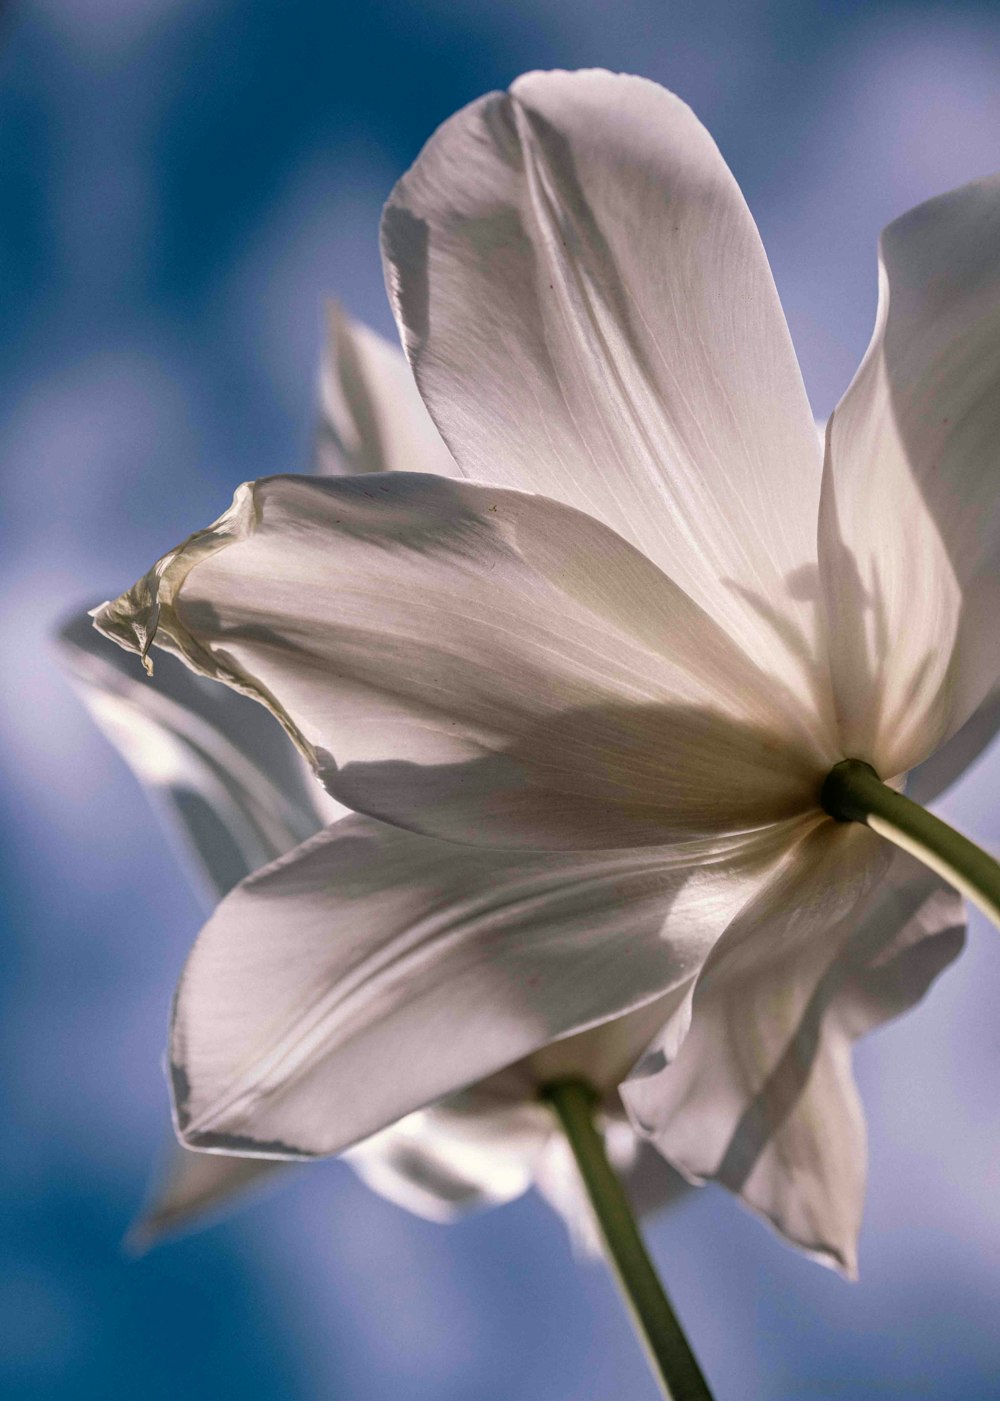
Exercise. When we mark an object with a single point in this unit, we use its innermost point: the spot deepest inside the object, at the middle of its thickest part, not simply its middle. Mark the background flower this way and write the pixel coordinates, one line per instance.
(183, 183)
(234, 794)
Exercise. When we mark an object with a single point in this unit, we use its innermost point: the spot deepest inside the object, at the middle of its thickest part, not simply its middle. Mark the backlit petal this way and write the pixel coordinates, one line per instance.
(910, 525)
(373, 972)
(443, 1162)
(589, 312)
(480, 664)
(936, 774)
(762, 1096)
(372, 418)
(226, 779)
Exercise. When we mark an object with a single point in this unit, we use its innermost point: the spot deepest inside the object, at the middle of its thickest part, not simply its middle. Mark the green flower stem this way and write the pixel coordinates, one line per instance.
(853, 792)
(669, 1354)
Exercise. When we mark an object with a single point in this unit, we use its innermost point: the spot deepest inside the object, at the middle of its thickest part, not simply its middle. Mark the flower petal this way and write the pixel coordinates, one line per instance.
(226, 778)
(372, 418)
(589, 313)
(910, 526)
(443, 1162)
(488, 1144)
(936, 774)
(372, 972)
(198, 1188)
(480, 664)
(761, 1096)
(476, 1149)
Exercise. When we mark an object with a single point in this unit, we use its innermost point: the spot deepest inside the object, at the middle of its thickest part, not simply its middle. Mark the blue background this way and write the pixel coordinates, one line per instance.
(182, 181)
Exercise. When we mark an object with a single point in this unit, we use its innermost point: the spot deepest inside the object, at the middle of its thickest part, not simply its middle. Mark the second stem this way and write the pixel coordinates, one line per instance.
(667, 1348)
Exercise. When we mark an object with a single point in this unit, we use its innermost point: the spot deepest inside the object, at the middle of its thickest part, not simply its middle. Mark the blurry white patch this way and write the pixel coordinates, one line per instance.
(90, 440)
(320, 240)
(108, 28)
(418, 1311)
(928, 96)
(81, 455)
(51, 745)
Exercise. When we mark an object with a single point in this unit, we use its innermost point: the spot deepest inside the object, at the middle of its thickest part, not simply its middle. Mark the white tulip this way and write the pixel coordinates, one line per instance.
(586, 704)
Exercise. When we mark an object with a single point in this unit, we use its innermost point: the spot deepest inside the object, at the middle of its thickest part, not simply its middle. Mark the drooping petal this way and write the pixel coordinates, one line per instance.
(479, 1148)
(474, 1151)
(372, 418)
(225, 777)
(480, 664)
(910, 526)
(373, 972)
(589, 313)
(762, 1096)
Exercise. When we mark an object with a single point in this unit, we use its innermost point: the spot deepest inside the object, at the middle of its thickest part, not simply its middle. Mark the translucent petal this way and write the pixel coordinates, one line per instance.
(373, 972)
(909, 528)
(372, 418)
(761, 1096)
(226, 779)
(481, 664)
(589, 312)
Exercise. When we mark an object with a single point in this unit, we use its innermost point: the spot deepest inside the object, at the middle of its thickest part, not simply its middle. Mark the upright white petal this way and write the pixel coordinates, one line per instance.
(936, 774)
(910, 525)
(372, 418)
(481, 664)
(589, 312)
(227, 780)
(762, 1096)
(373, 972)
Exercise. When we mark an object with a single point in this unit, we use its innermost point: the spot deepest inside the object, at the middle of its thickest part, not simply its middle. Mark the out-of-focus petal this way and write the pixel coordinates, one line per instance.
(936, 774)
(649, 1180)
(197, 1188)
(443, 1162)
(490, 1143)
(372, 418)
(225, 777)
(373, 972)
(480, 664)
(910, 526)
(476, 1149)
(762, 1096)
(589, 313)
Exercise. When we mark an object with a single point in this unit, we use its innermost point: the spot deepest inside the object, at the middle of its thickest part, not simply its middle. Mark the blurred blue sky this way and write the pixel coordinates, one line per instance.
(183, 181)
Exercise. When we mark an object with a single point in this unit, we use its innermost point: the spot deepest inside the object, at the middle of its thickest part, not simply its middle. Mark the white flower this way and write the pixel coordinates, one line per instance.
(236, 792)
(622, 693)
